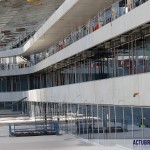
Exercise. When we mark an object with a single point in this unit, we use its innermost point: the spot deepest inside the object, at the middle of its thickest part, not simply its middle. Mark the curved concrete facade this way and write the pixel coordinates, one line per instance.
(48, 33)
(117, 91)
(125, 23)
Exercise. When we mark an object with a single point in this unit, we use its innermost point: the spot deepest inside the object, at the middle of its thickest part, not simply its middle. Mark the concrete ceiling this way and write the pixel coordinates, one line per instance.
(77, 16)
(19, 18)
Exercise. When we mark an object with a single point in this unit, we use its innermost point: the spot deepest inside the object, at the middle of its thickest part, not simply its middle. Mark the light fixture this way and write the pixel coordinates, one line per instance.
(20, 29)
(31, 1)
(36, 2)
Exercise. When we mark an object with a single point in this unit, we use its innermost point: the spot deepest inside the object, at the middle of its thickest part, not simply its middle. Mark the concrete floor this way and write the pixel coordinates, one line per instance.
(62, 142)
(58, 142)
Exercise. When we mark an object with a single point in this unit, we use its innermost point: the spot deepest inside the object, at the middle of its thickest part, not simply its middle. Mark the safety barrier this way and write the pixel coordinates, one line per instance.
(33, 129)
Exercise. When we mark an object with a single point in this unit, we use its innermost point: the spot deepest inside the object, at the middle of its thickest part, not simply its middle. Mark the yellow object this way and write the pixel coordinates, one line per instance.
(36, 2)
(31, 1)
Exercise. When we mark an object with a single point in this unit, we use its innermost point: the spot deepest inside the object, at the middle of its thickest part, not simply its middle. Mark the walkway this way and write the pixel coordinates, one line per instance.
(56, 142)
(62, 142)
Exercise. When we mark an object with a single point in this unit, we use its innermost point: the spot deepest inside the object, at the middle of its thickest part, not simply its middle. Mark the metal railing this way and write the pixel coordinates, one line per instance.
(13, 66)
(104, 17)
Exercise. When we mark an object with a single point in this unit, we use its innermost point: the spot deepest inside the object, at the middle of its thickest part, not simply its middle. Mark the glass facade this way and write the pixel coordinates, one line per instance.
(131, 55)
(105, 16)
(13, 107)
(95, 121)
(88, 121)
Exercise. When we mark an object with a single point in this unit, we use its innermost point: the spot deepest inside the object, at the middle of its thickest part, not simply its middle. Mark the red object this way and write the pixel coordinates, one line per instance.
(135, 94)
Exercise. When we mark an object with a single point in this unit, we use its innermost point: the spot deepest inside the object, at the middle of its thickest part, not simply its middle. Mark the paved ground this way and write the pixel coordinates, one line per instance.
(61, 142)
(56, 142)
(64, 142)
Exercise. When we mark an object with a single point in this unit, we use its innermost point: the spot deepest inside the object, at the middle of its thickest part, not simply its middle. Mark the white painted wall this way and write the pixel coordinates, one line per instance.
(131, 20)
(12, 52)
(118, 91)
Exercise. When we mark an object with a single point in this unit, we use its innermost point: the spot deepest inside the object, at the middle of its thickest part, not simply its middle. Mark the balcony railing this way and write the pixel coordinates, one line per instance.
(104, 17)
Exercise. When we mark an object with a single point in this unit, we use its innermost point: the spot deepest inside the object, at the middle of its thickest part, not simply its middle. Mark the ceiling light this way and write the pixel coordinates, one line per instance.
(6, 32)
(20, 29)
(31, 1)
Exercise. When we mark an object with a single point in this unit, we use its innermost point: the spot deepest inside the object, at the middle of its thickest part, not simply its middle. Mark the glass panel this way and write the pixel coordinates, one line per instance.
(145, 123)
(20, 106)
(122, 7)
(83, 124)
(112, 123)
(73, 69)
(111, 63)
(100, 125)
(69, 118)
(137, 117)
(133, 52)
(89, 121)
(0, 84)
(140, 62)
(119, 122)
(18, 83)
(1, 105)
(108, 14)
(80, 119)
(8, 84)
(15, 106)
(43, 80)
(24, 83)
(14, 84)
(4, 84)
(120, 61)
(126, 61)
(86, 65)
(94, 111)
(128, 123)
(31, 82)
(115, 10)
(106, 118)
(8, 105)
(147, 54)
(37, 79)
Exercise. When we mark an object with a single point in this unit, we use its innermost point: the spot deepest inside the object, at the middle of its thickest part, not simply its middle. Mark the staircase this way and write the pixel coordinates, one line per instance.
(7, 112)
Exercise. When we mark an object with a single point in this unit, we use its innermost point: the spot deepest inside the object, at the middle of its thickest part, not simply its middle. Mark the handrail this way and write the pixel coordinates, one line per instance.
(14, 103)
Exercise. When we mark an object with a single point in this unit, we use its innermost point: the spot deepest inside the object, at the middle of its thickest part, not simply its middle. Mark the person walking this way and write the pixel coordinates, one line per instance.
(89, 131)
(77, 127)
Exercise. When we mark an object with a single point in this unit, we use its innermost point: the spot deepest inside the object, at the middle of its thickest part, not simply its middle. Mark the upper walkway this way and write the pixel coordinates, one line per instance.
(58, 25)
